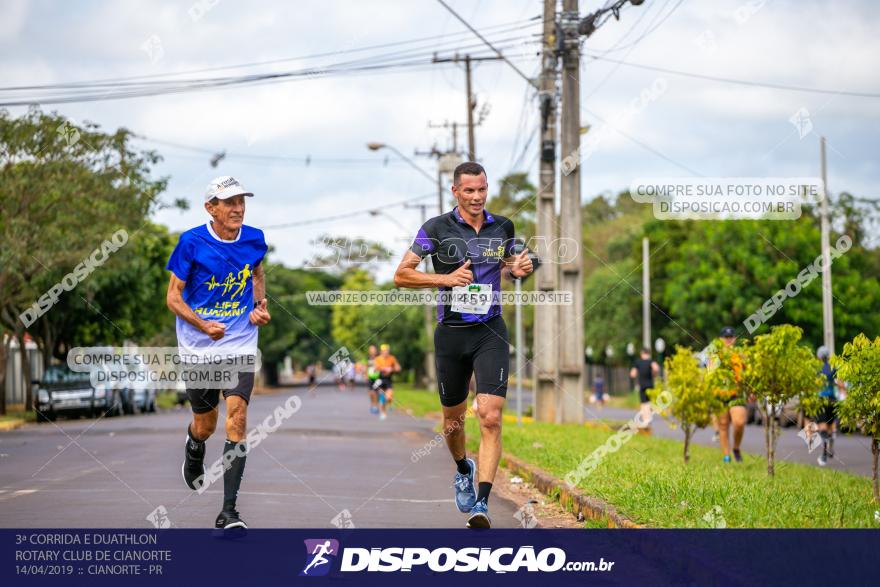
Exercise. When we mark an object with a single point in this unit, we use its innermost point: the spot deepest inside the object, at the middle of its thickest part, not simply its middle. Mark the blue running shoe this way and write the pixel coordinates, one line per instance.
(479, 518)
(726, 458)
(465, 494)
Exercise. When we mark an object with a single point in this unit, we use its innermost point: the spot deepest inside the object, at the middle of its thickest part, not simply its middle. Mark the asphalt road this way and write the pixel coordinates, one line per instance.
(330, 464)
(852, 452)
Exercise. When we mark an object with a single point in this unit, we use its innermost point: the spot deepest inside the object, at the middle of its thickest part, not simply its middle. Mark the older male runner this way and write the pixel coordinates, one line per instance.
(472, 250)
(217, 291)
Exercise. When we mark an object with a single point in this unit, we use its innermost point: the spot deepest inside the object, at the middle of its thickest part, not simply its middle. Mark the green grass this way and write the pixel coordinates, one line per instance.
(418, 401)
(647, 480)
(630, 401)
(166, 400)
(13, 416)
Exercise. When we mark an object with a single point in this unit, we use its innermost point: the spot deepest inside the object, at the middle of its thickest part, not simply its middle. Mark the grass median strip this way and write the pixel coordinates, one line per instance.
(648, 483)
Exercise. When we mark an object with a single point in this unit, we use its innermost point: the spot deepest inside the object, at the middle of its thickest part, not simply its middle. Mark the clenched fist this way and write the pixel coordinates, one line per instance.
(461, 276)
(520, 265)
(216, 330)
(259, 316)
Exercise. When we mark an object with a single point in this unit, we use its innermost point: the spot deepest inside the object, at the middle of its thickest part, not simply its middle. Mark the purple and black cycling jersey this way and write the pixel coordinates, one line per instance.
(449, 240)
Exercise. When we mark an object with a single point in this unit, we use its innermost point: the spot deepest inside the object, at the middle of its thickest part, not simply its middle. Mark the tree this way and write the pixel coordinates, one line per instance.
(357, 326)
(693, 397)
(66, 188)
(777, 370)
(719, 273)
(123, 299)
(859, 366)
(612, 300)
(297, 329)
(516, 200)
(343, 254)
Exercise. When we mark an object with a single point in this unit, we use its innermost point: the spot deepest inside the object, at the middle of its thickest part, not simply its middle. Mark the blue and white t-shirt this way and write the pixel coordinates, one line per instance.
(219, 287)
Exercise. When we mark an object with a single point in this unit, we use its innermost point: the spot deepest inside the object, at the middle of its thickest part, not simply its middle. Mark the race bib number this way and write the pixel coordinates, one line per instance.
(475, 298)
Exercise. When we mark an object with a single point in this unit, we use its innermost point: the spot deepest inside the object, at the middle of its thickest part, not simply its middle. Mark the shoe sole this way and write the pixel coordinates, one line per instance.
(234, 531)
(467, 509)
(479, 522)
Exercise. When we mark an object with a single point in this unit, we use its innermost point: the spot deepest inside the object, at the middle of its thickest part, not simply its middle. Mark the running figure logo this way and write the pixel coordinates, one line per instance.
(230, 283)
(319, 554)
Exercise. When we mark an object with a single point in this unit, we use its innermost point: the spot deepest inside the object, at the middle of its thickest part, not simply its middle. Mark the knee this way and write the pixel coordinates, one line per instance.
(236, 421)
(204, 427)
(490, 419)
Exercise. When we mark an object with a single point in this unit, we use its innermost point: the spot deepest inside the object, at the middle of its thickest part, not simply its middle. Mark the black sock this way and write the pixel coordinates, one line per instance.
(234, 458)
(483, 490)
(464, 467)
(195, 446)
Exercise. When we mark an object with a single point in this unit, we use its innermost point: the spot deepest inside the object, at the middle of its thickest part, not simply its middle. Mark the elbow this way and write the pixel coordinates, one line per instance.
(398, 280)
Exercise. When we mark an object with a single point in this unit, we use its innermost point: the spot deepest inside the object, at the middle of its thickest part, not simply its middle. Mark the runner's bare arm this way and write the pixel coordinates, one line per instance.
(259, 315)
(259, 283)
(175, 303)
(408, 276)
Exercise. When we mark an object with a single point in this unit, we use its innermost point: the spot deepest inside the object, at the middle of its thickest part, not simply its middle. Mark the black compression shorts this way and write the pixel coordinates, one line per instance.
(481, 349)
(203, 401)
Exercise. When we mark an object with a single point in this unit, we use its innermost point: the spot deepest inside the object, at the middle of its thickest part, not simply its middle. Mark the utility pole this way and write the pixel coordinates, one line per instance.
(471, 99)
(430, 367)
(571, 341)
(471, 104)
(545, 344)
(646, 294)
(827, 309)
(447, 160)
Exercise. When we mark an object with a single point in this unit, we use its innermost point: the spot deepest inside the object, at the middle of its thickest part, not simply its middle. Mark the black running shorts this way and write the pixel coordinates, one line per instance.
(203, 401)
(481, 349)
(827, 415)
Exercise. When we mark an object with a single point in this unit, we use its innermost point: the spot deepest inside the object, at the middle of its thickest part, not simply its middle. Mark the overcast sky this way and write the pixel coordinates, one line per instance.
(699, 126)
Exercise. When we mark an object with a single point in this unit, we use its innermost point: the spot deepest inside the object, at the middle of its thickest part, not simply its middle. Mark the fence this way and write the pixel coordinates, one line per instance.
(14, 385)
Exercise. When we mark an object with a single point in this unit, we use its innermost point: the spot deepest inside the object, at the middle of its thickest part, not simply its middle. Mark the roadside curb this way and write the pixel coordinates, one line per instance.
(571, 499)
(12, 425)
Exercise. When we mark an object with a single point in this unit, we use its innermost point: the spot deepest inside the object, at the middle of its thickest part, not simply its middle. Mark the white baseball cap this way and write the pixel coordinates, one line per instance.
(224, 187)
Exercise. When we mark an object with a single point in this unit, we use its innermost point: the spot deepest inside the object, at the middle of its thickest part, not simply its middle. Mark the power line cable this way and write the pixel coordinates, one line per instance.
(372, 211)
(488, 44)
(771, 85)
(273, 61)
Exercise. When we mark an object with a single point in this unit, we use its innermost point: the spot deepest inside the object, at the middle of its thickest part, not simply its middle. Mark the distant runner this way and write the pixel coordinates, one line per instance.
(217, 291)
(644, 371)
(736, 404)
(387, 365)
(472, 251)
(373, 379)
(826, 420)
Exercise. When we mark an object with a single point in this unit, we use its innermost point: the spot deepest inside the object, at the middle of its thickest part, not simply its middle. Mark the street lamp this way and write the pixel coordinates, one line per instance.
(378, 146)
(429, 330)
(438, 183)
